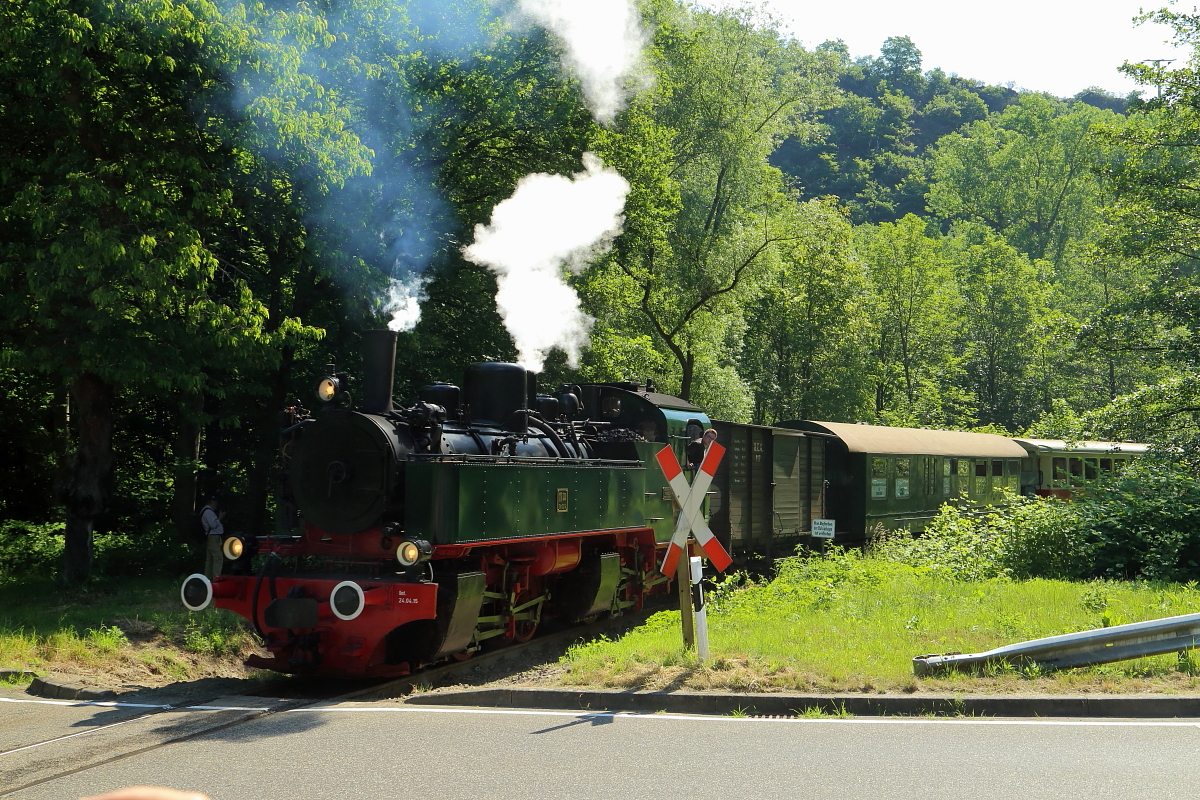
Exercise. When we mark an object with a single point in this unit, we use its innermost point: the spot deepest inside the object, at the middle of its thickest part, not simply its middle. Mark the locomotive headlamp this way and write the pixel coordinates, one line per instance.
(233, 548)
(412, 551)
(327, 389)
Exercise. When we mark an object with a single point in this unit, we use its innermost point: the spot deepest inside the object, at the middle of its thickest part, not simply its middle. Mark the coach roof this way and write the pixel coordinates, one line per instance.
(1087, 448)
(919, 441)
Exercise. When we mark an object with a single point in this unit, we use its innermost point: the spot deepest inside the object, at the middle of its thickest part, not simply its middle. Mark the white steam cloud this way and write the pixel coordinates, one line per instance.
(403, 301)
(549, 223)
(603, 42)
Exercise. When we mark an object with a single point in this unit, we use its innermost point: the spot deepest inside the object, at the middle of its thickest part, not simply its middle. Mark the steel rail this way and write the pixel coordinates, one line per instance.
(1101, 646)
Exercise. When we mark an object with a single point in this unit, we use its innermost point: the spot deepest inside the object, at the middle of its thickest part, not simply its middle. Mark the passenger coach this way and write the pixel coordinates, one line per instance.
(898, 478)
(1055, 468)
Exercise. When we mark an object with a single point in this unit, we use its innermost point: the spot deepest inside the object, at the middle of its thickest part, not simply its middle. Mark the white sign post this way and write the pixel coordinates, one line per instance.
(698, 605)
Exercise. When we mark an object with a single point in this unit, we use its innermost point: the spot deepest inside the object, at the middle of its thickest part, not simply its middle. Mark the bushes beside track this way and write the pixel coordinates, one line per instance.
(30, 550)
(1141, 525)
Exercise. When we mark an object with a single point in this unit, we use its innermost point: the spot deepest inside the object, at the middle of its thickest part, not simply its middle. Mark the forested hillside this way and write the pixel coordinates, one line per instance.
(203, 205)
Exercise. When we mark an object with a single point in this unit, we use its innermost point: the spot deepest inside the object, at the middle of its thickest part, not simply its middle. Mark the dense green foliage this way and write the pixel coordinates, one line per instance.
(1143, 525)
(203, 203)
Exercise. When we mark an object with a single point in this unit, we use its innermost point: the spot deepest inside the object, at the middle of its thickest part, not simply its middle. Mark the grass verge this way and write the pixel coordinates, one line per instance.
(127, 633)
(853, 623)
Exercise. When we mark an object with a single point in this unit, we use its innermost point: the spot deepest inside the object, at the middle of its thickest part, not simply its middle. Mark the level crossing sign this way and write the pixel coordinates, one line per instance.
(689, 498)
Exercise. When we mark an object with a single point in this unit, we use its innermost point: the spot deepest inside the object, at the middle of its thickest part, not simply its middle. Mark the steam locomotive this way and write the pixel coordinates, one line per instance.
(421, 532)
(413, 534)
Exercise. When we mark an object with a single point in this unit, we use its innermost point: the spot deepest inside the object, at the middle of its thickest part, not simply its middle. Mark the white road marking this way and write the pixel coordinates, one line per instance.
(79, 704)
(708, 718)
(106, 704)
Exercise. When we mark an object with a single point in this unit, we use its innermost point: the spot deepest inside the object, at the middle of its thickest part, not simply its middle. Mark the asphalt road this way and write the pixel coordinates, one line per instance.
(382, 750)
(40, 739)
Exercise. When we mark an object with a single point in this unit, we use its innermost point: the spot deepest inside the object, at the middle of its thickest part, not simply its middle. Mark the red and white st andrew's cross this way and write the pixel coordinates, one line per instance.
(689, 499)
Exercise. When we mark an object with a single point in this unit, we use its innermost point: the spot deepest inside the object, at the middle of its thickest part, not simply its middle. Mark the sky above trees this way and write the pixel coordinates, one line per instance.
(1056, 46)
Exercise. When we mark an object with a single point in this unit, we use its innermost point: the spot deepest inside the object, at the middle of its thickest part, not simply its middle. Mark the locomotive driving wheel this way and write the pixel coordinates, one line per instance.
(526, 613)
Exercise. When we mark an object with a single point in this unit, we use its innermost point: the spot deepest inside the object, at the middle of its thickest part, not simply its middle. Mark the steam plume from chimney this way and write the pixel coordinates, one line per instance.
(602, 45)
(549, 223)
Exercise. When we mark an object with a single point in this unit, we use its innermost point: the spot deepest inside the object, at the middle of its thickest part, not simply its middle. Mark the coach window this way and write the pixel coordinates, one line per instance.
(1106, 465)
(949, 465)
(902, 477)
(879, 478)
(1014, 475)
(981, 480)
(1075, 467)
(1060, 472)
(1089, 469)
(1118, 465)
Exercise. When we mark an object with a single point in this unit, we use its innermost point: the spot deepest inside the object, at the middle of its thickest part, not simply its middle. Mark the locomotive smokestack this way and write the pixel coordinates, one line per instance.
(379, 370)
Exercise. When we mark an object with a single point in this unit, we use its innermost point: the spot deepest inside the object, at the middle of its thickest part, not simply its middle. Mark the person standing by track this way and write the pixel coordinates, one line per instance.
(212, 521)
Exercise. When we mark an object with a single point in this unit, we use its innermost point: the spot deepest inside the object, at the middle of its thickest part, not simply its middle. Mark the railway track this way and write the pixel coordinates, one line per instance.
(151, 727)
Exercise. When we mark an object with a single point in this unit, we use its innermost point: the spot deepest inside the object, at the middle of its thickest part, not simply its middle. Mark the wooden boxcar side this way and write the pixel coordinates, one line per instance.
(767, 490)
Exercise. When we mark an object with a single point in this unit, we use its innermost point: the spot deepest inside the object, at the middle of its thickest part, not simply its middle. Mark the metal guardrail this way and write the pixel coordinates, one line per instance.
(1100, 646)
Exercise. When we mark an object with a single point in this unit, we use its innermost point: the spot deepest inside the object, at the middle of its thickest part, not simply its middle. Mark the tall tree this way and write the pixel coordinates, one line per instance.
(121, 265)
(915, 318)
(728, 89)
(1027, 173)
(1152, 225)
(1003, 309)
(805, 350)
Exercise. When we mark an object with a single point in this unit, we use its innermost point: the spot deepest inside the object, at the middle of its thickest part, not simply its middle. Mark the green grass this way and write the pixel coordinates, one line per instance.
(136, 625)
(849, 623)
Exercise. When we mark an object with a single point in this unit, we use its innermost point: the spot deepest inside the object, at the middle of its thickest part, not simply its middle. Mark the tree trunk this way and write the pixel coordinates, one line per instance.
(187, 454)
(688, 369)
(86, 481)
(263, 472)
